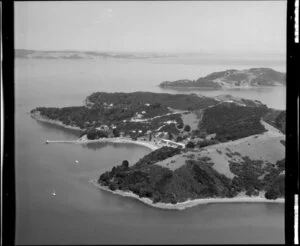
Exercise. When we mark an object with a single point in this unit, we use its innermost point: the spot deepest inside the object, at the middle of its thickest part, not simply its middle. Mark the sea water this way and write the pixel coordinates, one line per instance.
(80, 213)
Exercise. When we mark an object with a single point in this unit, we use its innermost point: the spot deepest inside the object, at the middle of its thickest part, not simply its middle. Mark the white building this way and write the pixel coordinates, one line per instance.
(171, 143)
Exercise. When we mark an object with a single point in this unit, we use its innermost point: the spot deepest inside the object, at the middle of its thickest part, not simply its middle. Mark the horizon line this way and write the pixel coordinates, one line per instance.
(170, 51)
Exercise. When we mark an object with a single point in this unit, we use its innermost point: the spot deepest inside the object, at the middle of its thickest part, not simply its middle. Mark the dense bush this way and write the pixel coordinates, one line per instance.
(276, 118)
(231, 122)
(248, 177)
(247, 174)
(160, 100)
(179, 138)
(171, 128)
(190, 145)
(276, 189)
(187, 128)
(180, 125)
(160, 184)
(96, 134)
(116, 133)
(196, 179)
(125, 164)
(280, 121)
(204, 143)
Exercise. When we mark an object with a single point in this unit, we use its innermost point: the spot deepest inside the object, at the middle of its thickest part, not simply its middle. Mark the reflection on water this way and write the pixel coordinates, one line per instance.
(97, 146)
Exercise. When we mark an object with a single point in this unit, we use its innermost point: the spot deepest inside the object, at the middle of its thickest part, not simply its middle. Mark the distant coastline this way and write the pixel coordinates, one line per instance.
(189, 203)
(218, 89)
(247, 78)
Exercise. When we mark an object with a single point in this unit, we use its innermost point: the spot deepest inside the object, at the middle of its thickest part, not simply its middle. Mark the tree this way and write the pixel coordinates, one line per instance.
(179, 139)
(116, 133)
(180, 125)
(271, 194)
(251, 191)
(190, 145)
(112, 186)
(156, 105)
(95, 134)
(125, 163)
(187, 128)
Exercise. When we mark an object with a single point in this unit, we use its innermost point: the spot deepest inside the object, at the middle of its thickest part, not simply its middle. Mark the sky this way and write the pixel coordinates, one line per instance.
(150, 26)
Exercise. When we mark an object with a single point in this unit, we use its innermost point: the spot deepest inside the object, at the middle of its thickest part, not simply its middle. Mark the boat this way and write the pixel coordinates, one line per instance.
(53, 193)
(76, 161)
(47, 141)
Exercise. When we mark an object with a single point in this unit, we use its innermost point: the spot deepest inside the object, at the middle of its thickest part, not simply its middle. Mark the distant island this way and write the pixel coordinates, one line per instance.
(204, 149)
(248, 78)
(75, 55)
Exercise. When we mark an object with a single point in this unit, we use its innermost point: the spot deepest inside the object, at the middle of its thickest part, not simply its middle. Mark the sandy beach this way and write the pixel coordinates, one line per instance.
(121, 140)
(188, 203)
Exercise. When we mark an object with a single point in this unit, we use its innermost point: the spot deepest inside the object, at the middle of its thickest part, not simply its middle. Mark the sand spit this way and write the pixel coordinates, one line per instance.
(188, 203)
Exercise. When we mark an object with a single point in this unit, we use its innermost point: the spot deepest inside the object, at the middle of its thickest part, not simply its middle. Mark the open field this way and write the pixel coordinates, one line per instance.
(265, 147)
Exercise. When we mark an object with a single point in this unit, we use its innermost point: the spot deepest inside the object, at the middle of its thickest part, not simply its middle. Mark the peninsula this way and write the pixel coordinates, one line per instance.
(204, 149)
(248, 78)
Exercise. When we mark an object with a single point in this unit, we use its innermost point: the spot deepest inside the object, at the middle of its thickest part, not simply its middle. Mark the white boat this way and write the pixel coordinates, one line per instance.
(53, 193)
(76, 161)
(47, 141)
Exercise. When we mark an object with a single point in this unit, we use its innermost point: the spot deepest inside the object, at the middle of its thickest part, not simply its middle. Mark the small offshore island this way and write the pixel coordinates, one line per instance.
(247, 78)
(220, 149)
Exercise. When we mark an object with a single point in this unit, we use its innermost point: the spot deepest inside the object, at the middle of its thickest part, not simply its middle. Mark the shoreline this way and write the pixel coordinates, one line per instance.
(188, 203)
(120, 140)
(107, 140)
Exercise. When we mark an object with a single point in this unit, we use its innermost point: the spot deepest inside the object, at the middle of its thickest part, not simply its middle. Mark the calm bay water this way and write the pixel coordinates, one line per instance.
(80, 213)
